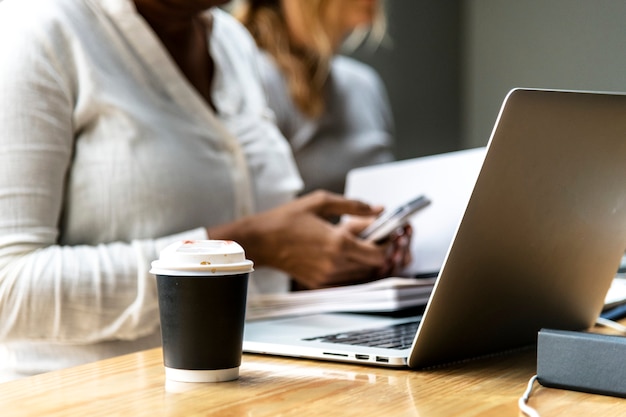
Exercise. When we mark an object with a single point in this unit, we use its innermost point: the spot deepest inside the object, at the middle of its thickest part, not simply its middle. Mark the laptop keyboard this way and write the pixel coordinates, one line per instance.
(397, 336)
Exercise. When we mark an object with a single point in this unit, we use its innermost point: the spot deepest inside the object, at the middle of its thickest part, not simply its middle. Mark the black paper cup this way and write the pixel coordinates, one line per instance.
(202, 302)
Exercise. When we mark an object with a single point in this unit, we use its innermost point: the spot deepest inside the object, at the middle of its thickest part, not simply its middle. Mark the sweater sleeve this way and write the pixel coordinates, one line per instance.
(51, 292)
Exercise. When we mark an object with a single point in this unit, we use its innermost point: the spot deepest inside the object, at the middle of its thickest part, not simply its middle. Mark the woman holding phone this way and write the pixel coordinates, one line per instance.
(126, 125)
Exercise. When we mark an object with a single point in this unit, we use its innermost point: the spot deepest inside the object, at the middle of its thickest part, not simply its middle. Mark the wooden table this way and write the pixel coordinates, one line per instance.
(135, 385)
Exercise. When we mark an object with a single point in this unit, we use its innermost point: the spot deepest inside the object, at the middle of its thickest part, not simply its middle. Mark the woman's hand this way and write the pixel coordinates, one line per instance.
(299, 239)
(399, 250)
(397, 246)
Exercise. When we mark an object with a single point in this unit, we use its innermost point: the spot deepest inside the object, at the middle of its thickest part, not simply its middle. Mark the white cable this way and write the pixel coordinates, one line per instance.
(611, 324)
(523, 401)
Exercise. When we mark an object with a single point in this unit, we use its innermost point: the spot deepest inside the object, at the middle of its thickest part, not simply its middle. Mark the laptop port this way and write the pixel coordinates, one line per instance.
(330, 353)
(382, 359)
(362, 357)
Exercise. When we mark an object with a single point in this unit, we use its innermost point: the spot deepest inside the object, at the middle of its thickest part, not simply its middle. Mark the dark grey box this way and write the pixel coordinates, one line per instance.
(582, 361)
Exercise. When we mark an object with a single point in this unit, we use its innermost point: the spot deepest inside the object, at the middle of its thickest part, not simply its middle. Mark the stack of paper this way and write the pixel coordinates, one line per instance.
(617, 293)
(386, 295)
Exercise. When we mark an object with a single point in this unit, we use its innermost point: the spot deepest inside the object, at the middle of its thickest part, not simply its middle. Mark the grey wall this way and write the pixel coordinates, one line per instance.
(422, 72)
(453, 61)
(564, 44)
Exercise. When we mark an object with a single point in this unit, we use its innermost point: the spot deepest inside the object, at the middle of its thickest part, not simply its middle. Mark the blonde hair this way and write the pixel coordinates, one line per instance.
(305, 69)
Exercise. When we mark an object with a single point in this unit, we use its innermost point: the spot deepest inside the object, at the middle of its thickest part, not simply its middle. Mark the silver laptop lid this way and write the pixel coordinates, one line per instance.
(543, 232)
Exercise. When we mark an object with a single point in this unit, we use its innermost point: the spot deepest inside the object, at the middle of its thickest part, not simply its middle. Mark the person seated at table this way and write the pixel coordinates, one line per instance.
(333, 109)
(127, 125)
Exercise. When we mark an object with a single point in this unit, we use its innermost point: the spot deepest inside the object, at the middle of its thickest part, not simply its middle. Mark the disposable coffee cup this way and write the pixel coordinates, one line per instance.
(202, 287)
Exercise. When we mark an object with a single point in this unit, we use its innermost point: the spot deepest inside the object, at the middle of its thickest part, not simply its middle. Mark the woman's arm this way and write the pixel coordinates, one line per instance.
(299, 239)
(73, 294)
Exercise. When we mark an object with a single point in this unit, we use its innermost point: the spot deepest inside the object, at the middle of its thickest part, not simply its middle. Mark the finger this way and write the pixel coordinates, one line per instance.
(398, 253)
(408, 258)
(365, 253)
(402, 231)
(346, 273)
(328, 204)
(361, 274)
(356, 224)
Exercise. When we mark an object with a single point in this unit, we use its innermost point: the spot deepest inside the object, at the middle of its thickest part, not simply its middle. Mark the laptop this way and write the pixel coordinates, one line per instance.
(538, 245)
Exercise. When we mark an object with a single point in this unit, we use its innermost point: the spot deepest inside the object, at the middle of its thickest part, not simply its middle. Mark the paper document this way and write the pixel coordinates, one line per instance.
(617, 293)
(385, 295)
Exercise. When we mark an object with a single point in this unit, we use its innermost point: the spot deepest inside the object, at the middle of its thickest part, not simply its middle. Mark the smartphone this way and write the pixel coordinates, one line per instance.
(389, 221)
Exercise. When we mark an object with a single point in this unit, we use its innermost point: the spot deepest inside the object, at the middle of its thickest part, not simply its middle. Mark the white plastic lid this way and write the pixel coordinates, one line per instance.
(202, 257)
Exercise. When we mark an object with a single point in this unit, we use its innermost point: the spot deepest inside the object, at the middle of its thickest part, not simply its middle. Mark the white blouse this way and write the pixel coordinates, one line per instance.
(108, 154)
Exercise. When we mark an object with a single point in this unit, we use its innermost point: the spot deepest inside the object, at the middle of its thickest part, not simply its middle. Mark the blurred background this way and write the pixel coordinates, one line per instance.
(451, 62)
